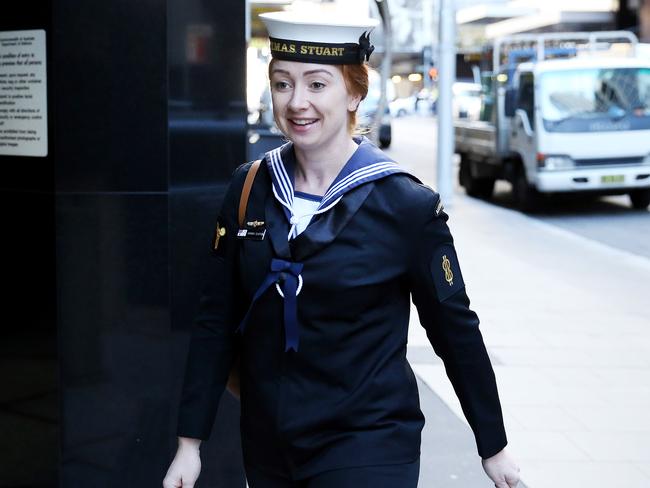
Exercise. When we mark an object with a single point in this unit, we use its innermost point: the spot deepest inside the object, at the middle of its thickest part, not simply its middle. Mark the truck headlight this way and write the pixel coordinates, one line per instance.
(556, 163)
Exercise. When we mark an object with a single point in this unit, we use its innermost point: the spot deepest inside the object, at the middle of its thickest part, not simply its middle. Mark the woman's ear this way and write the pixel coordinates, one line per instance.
(353, 102)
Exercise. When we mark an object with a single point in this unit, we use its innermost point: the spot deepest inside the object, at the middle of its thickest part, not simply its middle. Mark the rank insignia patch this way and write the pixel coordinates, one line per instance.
(255, 231)
(445, 272)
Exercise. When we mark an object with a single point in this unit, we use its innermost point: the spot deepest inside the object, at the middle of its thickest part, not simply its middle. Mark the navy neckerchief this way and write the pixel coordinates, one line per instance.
(368, 163)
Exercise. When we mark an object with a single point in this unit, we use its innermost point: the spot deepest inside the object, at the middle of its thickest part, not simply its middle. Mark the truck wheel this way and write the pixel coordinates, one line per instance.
(526, 197)
(474, 187)
(640, 199)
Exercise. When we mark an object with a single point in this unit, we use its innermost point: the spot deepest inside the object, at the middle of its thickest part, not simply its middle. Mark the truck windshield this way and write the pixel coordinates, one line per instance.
(595, 100)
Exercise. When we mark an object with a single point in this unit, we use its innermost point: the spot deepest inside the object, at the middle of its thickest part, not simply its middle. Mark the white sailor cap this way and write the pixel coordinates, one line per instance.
(297, 37)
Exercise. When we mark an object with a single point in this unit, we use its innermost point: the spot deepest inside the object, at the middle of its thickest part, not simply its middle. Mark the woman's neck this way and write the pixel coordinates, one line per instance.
(315, 170)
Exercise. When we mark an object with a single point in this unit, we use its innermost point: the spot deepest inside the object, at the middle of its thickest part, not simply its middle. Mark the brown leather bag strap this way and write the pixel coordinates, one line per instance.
(248, 183)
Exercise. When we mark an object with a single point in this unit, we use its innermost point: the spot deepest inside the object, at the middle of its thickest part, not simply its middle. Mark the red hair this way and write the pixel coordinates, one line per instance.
(356, 81)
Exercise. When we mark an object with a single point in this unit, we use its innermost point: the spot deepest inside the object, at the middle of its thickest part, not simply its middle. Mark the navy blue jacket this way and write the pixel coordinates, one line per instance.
(348, 396)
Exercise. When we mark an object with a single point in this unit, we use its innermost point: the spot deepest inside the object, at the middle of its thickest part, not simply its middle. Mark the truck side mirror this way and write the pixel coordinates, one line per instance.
(510, 100)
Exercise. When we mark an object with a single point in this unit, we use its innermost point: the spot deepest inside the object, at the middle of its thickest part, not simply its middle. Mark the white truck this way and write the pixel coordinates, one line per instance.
(561, 112)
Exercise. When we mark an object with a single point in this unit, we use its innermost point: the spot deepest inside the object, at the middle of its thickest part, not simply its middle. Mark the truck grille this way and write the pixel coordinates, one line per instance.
(608, 161)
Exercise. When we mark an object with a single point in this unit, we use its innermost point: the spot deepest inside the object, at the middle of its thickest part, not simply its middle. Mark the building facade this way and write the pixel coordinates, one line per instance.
(109, 231)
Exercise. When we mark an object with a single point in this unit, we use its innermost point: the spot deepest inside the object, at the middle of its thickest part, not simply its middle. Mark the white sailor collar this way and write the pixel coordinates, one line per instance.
(367, 163)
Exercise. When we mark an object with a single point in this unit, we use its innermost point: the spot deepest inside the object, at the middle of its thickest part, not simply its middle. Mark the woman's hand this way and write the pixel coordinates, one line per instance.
(186, 466)
(502, 469)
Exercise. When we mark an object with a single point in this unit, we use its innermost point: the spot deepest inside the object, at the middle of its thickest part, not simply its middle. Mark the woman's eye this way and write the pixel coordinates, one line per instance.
(281, 85)
(317, 85)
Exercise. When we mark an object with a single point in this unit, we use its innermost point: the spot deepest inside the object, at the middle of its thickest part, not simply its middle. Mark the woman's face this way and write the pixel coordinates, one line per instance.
(311, 103)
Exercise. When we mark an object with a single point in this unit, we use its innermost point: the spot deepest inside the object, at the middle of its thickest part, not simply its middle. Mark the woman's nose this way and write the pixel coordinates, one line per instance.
(299, 99)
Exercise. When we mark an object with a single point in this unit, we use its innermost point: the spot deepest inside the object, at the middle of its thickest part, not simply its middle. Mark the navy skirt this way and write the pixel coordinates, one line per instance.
(384, 476)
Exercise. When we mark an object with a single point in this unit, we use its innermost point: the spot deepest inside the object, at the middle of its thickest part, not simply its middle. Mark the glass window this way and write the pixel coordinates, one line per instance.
(596, 100)
(488, 87)
(526, 96)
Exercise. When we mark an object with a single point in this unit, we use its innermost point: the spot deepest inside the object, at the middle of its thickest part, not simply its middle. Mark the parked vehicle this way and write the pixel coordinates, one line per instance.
(426, 100)
(466, 101)
(263, 133)
(402, 106)
(369, 106)
(563, 112)
(366, 115)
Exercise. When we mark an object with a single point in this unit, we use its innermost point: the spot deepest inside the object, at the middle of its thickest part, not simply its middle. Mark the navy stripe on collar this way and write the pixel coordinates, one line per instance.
(307, 196)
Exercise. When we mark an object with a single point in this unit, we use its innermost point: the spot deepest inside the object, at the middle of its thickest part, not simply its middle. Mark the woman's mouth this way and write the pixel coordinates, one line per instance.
(302, 124)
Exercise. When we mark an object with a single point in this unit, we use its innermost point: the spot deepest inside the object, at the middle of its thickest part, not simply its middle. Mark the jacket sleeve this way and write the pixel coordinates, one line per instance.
(452, 328)
(213, 343)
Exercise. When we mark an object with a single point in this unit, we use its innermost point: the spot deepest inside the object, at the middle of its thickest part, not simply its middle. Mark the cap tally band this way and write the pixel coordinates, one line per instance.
(320, 52)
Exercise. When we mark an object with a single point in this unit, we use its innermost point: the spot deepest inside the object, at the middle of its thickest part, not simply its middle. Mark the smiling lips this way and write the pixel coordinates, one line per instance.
(302, 122)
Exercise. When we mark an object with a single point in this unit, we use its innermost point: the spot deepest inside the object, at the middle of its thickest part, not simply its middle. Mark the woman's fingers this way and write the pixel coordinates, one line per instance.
(502, 470)
(184, 469)
(168, 483)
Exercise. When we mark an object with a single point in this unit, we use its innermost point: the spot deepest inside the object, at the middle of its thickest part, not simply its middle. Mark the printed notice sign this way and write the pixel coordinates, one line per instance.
(23, 93)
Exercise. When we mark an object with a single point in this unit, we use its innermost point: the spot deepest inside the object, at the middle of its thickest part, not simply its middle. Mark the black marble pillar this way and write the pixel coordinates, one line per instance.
(107, 237)
(29, 386)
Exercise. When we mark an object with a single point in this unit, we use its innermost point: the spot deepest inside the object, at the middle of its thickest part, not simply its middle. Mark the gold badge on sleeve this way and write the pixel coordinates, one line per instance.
(446, 267)
(445, 271)
(219, 233)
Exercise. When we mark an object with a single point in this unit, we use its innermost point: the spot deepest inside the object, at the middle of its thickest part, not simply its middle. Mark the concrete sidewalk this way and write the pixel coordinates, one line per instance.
(567, 324)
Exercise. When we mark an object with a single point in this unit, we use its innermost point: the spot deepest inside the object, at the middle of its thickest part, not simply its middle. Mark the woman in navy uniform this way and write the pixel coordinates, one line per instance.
(313, 293)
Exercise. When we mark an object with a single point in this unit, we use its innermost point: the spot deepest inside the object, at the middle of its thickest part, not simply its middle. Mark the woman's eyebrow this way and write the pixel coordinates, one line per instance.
(310, 72)
(313, 71)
